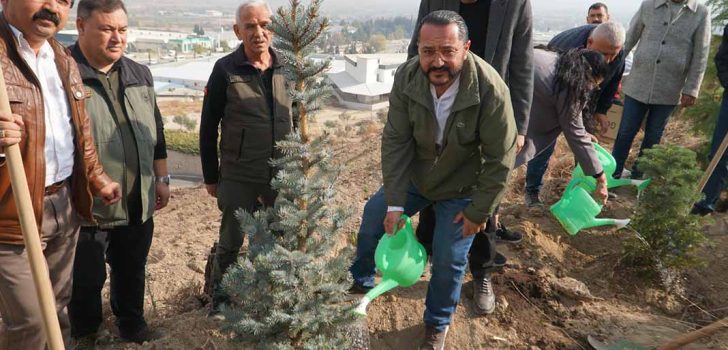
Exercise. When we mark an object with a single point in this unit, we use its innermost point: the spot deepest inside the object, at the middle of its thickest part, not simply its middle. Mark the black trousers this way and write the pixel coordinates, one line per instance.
(125, 249)
(482, 251)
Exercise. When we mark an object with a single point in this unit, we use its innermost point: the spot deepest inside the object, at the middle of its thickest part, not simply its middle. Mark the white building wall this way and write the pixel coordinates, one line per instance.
(386, 75)
(365, 70)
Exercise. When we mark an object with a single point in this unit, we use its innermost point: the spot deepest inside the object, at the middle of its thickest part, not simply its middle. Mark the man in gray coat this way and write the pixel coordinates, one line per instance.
(501, 33)
(668, 68)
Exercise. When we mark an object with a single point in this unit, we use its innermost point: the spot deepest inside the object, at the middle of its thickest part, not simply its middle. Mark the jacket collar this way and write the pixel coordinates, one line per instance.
(240, 59)
(60, 55)
(468, 95)
(691, 4)
(89, 73)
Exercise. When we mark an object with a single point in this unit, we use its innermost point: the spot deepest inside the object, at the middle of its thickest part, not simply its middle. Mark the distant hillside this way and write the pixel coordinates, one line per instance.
(376, 8)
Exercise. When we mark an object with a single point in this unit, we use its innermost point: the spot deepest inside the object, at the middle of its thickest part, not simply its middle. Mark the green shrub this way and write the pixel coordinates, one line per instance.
(187, 142)
(704, 114)
(667, 234)
(187, 122)
(331, 124)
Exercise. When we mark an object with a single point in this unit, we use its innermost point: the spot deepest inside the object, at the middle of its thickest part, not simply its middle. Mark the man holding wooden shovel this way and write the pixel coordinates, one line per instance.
(50, 126)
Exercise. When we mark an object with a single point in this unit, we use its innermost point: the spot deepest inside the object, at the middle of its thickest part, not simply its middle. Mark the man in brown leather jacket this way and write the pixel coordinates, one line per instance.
(49, 123)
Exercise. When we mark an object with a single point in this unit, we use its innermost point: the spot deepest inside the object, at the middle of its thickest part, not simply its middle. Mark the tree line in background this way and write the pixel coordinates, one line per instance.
(366, 36)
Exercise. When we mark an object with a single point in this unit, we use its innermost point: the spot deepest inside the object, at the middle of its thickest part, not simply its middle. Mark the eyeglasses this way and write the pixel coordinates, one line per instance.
(446, 53)
(64, 3)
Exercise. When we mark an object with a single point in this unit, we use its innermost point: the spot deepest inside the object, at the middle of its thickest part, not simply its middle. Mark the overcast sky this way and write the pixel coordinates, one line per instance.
(620, 9)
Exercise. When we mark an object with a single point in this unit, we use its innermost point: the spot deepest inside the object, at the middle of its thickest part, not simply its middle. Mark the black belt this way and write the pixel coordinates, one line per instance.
(51, 189)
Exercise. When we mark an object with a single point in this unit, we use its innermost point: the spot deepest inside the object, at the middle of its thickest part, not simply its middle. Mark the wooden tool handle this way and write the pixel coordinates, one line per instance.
(688, 338)
(21, 194)
(713, 163)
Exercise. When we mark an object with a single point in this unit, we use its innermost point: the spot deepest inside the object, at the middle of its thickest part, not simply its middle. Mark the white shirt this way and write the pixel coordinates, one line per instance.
(443, 107)
(59, 146)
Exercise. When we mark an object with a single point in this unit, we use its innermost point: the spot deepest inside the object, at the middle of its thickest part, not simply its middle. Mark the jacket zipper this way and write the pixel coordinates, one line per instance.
(273, 115)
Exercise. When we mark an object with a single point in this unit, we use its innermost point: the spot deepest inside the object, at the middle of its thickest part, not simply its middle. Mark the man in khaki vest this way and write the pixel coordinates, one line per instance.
(128, 131)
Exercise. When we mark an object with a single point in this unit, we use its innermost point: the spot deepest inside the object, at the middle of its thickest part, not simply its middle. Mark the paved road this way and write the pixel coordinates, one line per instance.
(185, 169)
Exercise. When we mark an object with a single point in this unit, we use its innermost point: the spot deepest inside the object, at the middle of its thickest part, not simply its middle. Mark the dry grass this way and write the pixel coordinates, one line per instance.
(179, 107)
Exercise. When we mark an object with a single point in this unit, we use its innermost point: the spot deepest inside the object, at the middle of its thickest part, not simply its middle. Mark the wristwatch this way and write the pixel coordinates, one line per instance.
(164, 179)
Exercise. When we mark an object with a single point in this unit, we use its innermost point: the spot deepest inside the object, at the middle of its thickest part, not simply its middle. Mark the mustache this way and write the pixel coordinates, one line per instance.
(440, 69)
(47, 15)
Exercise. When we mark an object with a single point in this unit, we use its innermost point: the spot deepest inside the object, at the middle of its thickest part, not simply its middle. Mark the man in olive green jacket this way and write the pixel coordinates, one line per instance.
(449, 141)
(129, 137)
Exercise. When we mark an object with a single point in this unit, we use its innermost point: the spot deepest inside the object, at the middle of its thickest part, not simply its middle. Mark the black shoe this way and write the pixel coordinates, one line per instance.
(84, 343)
(216, 314)
(434, 340)
(532, 200)
(500, 260)
(483, 294)
(697, 210)
(144, 335)
(503, 235)
(358, 289)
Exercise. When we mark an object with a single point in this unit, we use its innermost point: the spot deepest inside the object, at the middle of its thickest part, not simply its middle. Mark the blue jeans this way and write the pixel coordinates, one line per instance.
(634, 113)
(536, 169)
(716, 182)
(449, 251)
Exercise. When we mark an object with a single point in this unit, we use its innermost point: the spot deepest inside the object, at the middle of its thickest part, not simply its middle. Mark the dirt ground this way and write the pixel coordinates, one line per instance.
(554, 292)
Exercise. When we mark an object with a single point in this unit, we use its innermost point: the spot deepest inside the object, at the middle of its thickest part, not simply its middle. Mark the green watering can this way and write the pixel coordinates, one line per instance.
(609, 165)
(577, 210)
(400, 258)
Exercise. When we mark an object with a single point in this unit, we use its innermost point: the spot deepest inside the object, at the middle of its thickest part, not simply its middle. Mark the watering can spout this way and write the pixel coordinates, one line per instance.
(641, 184)
(381, 288)
(612, 182)
(620, 223)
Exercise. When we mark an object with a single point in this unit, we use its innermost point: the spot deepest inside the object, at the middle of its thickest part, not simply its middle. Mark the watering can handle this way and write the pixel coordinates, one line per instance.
(403, 222)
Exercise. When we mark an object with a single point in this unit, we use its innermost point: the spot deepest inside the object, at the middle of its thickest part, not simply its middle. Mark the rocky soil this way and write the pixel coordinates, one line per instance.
(555, 291)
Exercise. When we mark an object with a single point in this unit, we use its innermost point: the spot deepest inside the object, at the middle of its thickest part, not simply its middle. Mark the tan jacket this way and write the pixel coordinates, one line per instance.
(26, 100)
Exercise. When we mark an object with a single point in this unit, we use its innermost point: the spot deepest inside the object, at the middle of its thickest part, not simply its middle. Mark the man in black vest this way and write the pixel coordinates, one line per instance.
(246, 97)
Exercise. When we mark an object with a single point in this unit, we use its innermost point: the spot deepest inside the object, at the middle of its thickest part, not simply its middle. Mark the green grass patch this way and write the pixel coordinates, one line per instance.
(187, 142)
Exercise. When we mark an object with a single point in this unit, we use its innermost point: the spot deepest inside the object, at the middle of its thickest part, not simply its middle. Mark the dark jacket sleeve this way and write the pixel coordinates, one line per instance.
(160, 149)
(398, 145)
(606, 96)
(721, 59)
(572, 125)
(497, 132)
(520, 69)
(424, 10)
(212, 111)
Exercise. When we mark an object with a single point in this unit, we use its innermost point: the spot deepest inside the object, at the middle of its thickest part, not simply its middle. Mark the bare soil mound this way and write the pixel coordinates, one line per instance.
(555, 290)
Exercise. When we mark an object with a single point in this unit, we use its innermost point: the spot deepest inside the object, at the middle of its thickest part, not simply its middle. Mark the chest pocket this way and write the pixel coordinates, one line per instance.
(140, 102)
(465, 130)
(20, 100)
(103, 125)
(244, 96)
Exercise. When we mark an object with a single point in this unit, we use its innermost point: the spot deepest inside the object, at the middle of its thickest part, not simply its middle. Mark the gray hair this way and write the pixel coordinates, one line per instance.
(248, 4)
(445, 18)
(612, 32)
